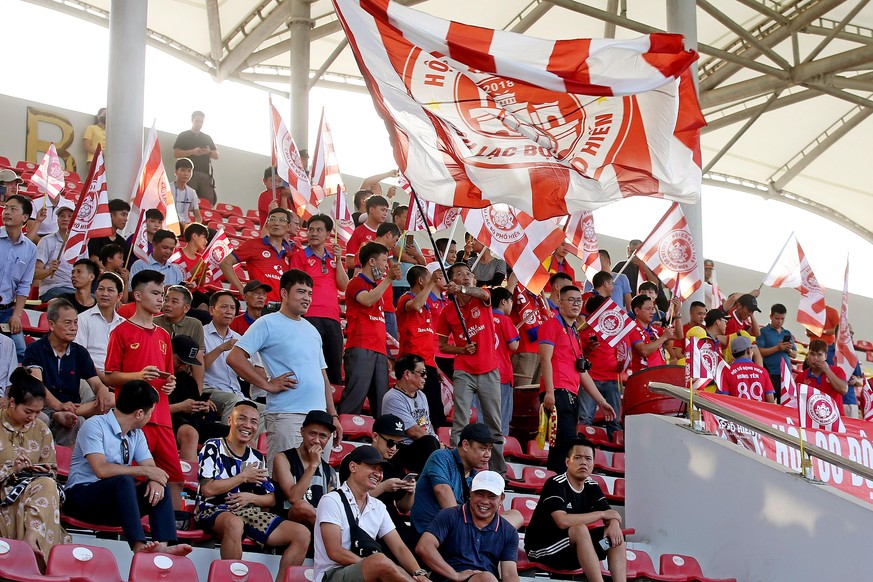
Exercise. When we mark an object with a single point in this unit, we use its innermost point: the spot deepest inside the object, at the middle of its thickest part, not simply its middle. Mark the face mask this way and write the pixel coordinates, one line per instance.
(378, 275)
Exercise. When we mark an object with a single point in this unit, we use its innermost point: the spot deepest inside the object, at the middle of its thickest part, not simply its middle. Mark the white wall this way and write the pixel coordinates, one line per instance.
(739, 514)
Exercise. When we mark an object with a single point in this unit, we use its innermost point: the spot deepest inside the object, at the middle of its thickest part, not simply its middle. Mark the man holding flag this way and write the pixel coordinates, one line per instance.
(830, 380)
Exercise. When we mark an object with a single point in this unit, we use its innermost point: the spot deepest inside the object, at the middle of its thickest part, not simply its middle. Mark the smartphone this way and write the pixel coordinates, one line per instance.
(204, 397)
(786, 337)
(605, 544)
(5, 328)
(411, 477)
(164, 374)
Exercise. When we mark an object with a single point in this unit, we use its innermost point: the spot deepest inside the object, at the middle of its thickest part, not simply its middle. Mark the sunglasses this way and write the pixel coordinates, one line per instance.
(422, 373)
(390, 443)
(324, 265)
(125, 451)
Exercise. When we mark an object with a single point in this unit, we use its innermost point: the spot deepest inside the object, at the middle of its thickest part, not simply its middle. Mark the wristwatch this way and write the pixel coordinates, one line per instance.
(463, 290)
(420, 572)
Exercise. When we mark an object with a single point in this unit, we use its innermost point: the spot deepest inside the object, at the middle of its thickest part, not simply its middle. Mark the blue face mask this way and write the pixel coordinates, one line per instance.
(3, 191)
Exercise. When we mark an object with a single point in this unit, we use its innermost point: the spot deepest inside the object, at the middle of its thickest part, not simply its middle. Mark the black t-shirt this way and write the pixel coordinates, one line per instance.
(188, 140)
(558, 495)
(95, 245)
(390, 498)
(79, 307)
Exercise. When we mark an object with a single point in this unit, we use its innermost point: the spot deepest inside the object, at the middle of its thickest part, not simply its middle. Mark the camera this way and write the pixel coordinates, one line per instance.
(271, 307)
(582, 365)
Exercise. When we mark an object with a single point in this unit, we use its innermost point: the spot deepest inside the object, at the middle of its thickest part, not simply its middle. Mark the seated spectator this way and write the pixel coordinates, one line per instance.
(193, 415)
(302, 474)
(255, 297)
(472, 542)
(106, 487)
(397, 489)
(10, 182)
(558, 534)
(175, 319)
(336, 559)
(54, 274)
(112, 258)
(163, 246)
(82, 278)
(118, 212)
(408, 403)
(235, 493)
(97, 323)
(190, 259)
(830, 380)
(154, 220)
(31, 496)
(185, 197)
(747, 379)
(8, 364)
(61, 364)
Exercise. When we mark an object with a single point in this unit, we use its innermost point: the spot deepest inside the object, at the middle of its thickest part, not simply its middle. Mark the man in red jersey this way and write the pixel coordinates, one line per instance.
(255, 296)
(742, 316)
(829, 379)
(529, 312)
(366, 359)
(436, 302)
(747, 379)
(377, 213)
(476, 367)
(558, 263)
(273, 197)
(506, 341)
(646, 342)
(266, 259)
(329, 279)
(140, 350)
(604, 371)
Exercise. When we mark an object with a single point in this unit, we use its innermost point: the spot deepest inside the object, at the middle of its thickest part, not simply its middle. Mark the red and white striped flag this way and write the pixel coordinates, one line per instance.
(213, 254)
(787, 385)
(791, 269)
(844, 354)
(715, 298)
(91, 215)
(342, 218)
(518, 239)
(49, 176)
(583, 239)
(611, 323)
(438, 216)
(479, 116)
(152, 190)
(866, 401)
(325, 170)
(290, 168)
(703, 363)
(669, 251)
(818, 410)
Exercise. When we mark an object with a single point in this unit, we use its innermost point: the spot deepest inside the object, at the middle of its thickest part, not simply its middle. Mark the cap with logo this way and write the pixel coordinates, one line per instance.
(713, 315)
(389, 424)
(367, 454)
(480, 433)
(488, 481)
(186, 349)
(749, 302)
(319, 417)
(254, 285)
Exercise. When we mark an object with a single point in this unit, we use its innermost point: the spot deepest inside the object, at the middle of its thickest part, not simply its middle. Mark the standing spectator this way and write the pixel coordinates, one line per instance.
(366, 360)
(175, 319)
(329, 279)
(387, 235)
(185, 197)
(276, 194)
(359, 201)
(410, 255)
(436, 302)
(476, 367)
(82, 278)
(236, 493)
(638, 272)
(696, 316)
(829, 333)
(622, 293)
(557, 282)
(118, 212)
(747, 379)
(10, 182)
(742, 316)
(646, 342)
(407, 403)
(831, 380)
(604, 373)
(266, 259)
(97, 323)
(17, 263)
(377, 213)
(53, 273)
(489, 271)
(529, 312)
(558, 263)
(255, 296)
(201, 150)
(105, 487)
(95, 134)
(28, 468)
(290, 349)
(776, 344)
(451, 257)
(507, 339)
(301, 473)
(334, 559)
(397, 489)
(163, 245)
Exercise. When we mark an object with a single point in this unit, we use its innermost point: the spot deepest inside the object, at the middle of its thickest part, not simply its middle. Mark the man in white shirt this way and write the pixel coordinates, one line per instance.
(335, 558)
(96, 323)
(185, 197)
(54, 273)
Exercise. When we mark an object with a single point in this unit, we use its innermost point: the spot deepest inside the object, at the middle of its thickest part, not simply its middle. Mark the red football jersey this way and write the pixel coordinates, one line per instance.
(480, 326)
(748, 380)
(647, 336)
(504, 334)
(365, 325)
(567, 350)
(325, 301)
(360, 236)
(416, 330)
(264, 264)
(823, 384)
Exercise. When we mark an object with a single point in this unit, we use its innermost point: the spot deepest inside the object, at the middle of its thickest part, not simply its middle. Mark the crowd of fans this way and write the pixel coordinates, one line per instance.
(144, 366)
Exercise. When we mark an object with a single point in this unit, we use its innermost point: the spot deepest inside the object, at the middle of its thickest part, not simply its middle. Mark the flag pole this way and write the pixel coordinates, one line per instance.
(451, 238)
(442, 266)
(629, 260)
(776, 260)
(88, 181)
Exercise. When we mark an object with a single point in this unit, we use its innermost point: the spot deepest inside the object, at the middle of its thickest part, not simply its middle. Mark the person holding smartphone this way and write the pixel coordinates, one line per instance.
(776, 344)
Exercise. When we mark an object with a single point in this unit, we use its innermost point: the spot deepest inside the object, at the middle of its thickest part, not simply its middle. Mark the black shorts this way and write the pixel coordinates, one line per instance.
(565, 556)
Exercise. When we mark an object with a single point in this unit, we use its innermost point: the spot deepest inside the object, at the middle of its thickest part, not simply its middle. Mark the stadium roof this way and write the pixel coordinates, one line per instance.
(786, 86)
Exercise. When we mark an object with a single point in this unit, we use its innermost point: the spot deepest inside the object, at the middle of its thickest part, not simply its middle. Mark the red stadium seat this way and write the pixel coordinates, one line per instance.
(23, 166)
(205, 205)
(444, 435)
(63, 456)
(639, 565)
(72, 522)
(37, 321)
(618, 439)
(18, 563)
(226, 209)
(532, 479)
(239, 222)
(534, 453)
(864, 346)
(189, 471)
(595, 434)
(299, 574)
(252, 214)
(156, 567)
(511, 447)
(618, 463)
(602, 464)
(356, 426)
(262, 442)
(5, 163)
(338, 453)
(676, 565)
(238, 570)
(525, 505)
(522, 563)
(337, 392)
(86, 563)
(618, 490)
(249, 233)
(190, 536)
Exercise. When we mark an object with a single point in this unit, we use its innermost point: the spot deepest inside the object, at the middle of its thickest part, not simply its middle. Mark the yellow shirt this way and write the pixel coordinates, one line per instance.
(95, 134)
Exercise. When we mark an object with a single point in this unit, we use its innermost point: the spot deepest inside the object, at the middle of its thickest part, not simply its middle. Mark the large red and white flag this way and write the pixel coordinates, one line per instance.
(703, 363)
(91, 215)
(818, 410)
(787, 385)
(342, 218)
(669, 252)
(435, 215)
(290, 168)
(152, 190)
(325, 170)
(582, 237)
(479, 116)
(866, 401)
(49, 176)
(213, 254)
(844, 354)
(791, 269)
(611, 323)
(518, 239)
(713, 296)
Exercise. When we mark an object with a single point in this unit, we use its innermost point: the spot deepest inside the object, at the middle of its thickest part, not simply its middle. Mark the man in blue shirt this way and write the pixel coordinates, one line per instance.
(17, 264)
(776, 344)
(102, 487)
(471, 541)
(163, 246)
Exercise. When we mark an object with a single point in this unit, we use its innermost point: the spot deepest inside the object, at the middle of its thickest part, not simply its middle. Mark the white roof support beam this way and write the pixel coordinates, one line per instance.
(609, 27)
(715, 123)
(313, 80)
(746, 126)
(527, 17)
(744, 34)
(838, 28)
(213, 22)
(238, 54)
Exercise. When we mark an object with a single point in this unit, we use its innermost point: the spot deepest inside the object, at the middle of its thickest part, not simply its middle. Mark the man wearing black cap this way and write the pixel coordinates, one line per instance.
(302, 474)
(255, 297)
(335, 560)
(742, 316)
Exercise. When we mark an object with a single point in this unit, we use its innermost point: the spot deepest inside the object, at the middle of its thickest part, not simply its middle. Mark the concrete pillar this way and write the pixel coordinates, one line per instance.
(682, 19)
(124, 133)
(300, 24)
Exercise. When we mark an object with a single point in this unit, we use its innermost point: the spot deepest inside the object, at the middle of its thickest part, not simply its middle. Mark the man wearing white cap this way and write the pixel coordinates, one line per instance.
(471, 541)
(53, 272)
(9, 184)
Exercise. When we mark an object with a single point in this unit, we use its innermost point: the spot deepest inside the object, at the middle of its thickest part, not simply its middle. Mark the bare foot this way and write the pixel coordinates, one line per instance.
(163, 548)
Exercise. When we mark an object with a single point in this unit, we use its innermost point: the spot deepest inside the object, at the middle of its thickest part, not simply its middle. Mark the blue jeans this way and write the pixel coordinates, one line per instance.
(391, 325)
(57, 292)
(17, 338)
(609, 390)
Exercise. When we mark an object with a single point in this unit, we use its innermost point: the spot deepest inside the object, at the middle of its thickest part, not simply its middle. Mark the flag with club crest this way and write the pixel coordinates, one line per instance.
(436, 215)
(866, 401)
(818, 410)
(703, 363)
(342, 218)
(669, 252)
(151, 190)
(518, 239)
(844, 353)
(49, 176)
(582, 239)
(210, 270)
(791, 269)
(290, 168)
(325, 172)
(479, 116)
(529, 311)
(611, 323)
(787, 385)
(91, 217)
